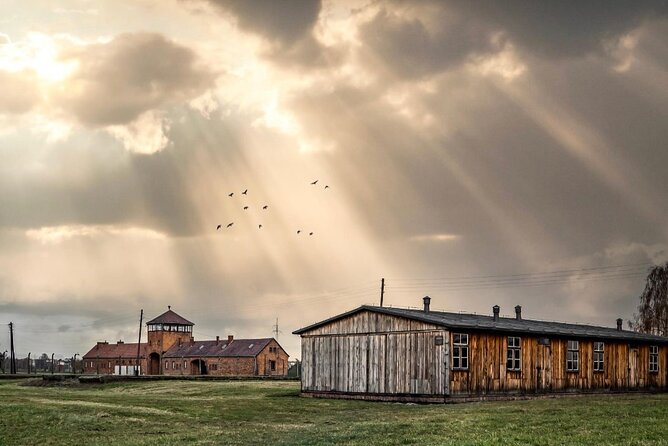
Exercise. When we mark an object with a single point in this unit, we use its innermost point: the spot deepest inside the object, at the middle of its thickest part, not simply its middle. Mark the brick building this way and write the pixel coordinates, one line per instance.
(172, 350)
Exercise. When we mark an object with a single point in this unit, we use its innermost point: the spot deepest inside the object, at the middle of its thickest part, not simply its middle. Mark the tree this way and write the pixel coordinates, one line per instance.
(652, 316)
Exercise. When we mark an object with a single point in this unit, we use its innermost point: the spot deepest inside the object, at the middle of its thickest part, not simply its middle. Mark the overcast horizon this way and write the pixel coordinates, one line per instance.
(477, 152)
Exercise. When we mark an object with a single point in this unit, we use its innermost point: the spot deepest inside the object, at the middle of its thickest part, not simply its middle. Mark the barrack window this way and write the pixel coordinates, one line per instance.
(599, 348)
(573, 356)
(460, 351)
(514, 357)
(654, 358)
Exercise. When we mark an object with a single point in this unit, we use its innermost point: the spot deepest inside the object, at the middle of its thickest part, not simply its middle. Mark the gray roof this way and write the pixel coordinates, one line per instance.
(235, 348)
(477, 322)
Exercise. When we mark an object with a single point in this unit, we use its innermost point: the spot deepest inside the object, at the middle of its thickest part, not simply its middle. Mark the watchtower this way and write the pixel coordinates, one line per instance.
(163, 332)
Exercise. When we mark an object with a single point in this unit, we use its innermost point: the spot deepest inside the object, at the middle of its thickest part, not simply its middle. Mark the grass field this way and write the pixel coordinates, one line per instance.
(271, 413)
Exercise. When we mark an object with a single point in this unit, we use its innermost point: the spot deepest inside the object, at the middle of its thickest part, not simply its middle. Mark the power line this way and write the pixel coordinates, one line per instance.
(590, 270)
(561, 279)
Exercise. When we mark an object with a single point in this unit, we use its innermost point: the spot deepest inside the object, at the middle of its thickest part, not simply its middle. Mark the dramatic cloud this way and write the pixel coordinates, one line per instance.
(420, 38)
(118, 81)
(286, 27)
(283, 22)
(561, 29)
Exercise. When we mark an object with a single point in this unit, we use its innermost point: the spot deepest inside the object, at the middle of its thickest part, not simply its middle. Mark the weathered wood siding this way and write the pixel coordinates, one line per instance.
(543, 367)
(377, 354)
(369, 322)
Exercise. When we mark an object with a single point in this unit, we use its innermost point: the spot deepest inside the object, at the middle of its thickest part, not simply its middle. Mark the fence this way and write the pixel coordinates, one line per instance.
(41, 365)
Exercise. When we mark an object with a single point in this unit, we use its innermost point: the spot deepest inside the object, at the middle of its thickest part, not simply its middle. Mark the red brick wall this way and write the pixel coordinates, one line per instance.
(214, 366)
(272, 352)
(106, 366)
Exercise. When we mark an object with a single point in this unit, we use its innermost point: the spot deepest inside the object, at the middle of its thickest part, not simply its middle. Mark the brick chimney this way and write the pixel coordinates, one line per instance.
(495, 310)
(230, 338)
(518, 312)
(217, 339)
(619, 324)
(426, 300)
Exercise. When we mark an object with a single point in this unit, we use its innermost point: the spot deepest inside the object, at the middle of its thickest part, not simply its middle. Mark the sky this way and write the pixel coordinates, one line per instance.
(479, 152)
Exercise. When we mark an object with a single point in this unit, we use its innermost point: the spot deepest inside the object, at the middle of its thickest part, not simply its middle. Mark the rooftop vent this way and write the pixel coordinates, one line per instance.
(518, 312)
(230, 338)
(426, 300)
(496, 310)
(251, 345)
(619, 324)
(217, 339)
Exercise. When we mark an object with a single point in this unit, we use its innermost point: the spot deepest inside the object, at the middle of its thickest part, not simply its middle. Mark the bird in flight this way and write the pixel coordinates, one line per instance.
(326, 187)
(229, 225)
(310, 233)
(259, 226)
(218, 227)
(299, 231)
(230, 194)
(245, 192)
(245, 208)
(265, 206)
(314, 183)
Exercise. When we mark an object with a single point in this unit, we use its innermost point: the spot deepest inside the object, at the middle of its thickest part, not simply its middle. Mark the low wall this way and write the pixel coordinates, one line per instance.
(96, 379)
(434, 399)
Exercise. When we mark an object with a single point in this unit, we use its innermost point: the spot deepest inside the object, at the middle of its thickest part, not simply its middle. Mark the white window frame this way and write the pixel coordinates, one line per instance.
(572, 356)
(654, 358)
(599, 356)
(460, 351)
(514, 354)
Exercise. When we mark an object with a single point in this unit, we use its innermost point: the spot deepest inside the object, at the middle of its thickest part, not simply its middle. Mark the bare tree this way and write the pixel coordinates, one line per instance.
(652, 316)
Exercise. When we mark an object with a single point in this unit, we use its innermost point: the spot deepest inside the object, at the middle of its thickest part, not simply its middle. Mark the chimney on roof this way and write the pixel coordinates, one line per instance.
(169, 307)
(518, 312)
(426, 300)
(120, 342)
(230, 338)
(619, 324)
(217, 339)
(496, 310)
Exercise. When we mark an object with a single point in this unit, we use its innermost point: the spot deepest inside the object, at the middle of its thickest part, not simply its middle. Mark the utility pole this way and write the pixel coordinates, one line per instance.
(141, 319)
(52, 363)
(382, 290)
(276, 330)
(29, 363)
(12, 357)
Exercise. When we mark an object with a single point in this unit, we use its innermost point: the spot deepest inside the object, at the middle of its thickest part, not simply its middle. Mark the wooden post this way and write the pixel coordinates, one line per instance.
(141, 318)
(12, 356)
(382, 290)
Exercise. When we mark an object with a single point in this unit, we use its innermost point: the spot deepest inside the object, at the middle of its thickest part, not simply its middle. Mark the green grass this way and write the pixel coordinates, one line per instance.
(271, 413)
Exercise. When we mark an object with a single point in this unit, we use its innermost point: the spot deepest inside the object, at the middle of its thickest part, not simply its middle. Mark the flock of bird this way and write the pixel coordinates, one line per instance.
(264, 208)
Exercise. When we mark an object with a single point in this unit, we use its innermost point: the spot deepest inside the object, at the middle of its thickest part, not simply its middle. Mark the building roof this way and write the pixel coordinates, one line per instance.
(169, 317)
(223, 348)
(115, 351)
(477, 322)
